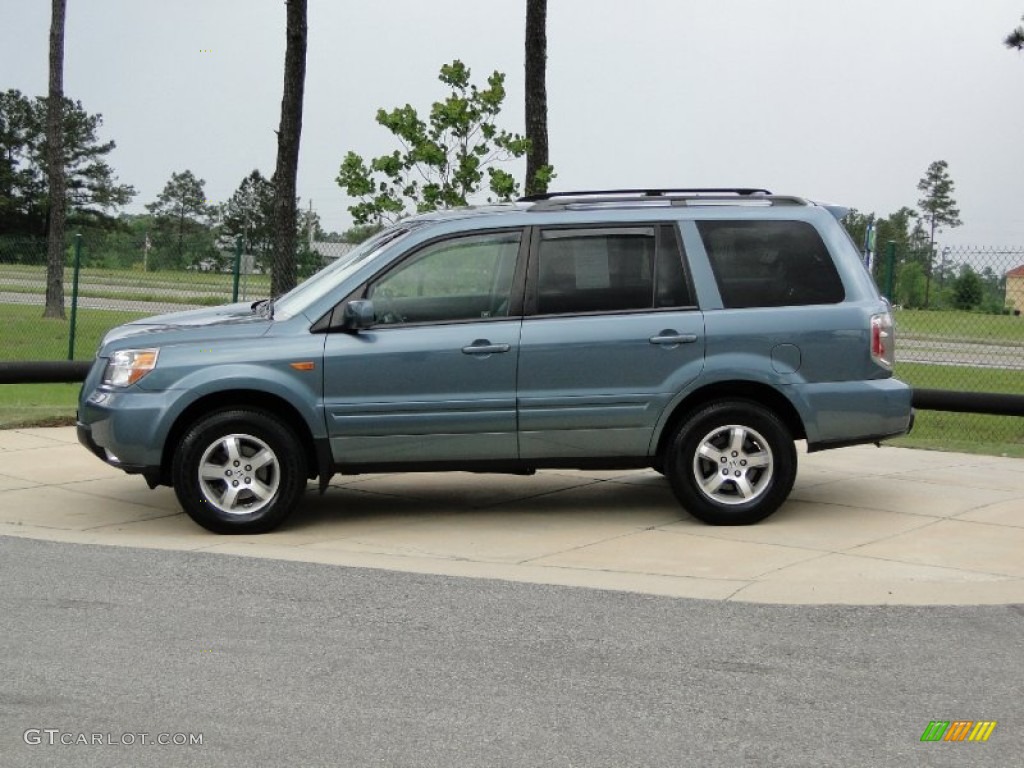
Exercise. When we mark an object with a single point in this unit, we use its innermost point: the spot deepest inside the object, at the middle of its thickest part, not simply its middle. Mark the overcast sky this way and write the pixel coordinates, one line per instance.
(840, 101)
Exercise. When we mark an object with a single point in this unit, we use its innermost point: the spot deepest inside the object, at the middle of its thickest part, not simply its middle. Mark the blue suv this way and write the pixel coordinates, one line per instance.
(699, 332)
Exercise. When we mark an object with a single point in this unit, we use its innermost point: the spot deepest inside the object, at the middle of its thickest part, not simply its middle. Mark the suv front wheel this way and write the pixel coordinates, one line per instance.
(731, 463)
(239, 471)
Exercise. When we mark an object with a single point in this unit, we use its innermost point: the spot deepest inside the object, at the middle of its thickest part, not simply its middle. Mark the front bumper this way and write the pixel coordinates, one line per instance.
(150, 472)
(124, 428)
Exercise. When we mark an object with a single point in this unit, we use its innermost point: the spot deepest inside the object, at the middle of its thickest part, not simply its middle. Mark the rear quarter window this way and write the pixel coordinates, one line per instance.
(770, 263)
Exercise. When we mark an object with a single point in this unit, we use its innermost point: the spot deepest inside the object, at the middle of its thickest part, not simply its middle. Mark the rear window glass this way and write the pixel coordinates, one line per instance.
(770, 263)
(610, 269)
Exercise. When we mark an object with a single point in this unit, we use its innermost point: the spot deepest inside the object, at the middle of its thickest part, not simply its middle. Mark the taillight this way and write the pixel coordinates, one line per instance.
(883, 341)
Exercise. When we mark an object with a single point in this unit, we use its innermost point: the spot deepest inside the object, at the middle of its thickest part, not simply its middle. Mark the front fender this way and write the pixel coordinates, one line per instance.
(302, 390)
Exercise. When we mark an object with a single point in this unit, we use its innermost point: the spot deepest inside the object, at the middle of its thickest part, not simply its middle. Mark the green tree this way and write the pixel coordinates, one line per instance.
(122, 246)
(938, 209)
(443, 160)
(538, 171)
(968, 289)
(181, 212)
(910, 285)
(284, 269)
(1015, 40)
(994, 286)
(360, 233)
(307, 232)
(249, 213)
(93, 192)
(56, 181)
(20, 197)
(894, 228)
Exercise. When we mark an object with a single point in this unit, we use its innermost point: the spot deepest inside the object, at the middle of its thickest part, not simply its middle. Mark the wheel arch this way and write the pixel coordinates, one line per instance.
(752, 391)
(238, 398)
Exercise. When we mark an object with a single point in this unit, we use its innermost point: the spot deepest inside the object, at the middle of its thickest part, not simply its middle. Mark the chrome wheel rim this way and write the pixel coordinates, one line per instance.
(239, 474)
(733, 465)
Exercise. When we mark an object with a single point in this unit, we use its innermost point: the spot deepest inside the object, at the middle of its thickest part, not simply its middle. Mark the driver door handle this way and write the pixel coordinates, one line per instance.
(484, 347)
(671, 337)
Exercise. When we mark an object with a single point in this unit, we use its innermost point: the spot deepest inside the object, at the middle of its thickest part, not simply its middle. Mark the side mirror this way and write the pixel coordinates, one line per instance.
(359, 314)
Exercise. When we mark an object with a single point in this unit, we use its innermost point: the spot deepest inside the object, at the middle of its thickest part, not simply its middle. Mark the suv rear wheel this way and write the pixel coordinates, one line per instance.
(731, 463)
(239, 471)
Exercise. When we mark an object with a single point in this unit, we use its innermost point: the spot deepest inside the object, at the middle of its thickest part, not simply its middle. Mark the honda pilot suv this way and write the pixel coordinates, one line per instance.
(698, 332)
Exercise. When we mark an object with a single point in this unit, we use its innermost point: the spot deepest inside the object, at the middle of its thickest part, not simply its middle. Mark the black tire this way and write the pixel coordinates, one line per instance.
(746, 469)
(233, 496)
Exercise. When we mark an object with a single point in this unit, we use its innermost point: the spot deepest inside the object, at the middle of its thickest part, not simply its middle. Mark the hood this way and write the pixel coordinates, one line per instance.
(226, 313)
(231, 319)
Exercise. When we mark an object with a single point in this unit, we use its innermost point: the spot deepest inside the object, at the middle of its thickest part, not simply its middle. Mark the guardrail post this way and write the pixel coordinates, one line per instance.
(890, 270)
(237, 269)
(74, 297)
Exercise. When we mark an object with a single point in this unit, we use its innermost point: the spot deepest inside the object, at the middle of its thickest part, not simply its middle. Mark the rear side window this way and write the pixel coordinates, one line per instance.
(609, 269)
(770, 263)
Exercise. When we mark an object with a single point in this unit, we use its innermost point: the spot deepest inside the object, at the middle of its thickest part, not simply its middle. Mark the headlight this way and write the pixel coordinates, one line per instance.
(129, 365)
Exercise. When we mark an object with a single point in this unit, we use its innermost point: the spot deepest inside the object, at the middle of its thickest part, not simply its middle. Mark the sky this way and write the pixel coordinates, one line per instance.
(846, 102)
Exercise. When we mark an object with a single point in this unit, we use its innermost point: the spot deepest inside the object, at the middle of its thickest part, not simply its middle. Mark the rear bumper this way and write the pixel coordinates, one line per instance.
(826, 445)
(851, 413)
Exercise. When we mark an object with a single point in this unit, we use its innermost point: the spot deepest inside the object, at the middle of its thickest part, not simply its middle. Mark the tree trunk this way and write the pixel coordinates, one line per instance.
(931, 261)
(181, 234)
(55, 161)
(283, 270)
(536, 93)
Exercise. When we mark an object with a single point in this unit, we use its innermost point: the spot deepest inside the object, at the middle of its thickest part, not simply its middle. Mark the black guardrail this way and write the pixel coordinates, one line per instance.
(996, 403)
(45, 372)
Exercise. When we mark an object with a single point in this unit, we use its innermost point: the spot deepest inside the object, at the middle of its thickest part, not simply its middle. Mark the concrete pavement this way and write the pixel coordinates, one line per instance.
(864, 525)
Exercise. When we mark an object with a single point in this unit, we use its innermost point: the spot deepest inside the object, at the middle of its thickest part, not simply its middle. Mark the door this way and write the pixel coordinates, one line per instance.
(611, 335)
(433, 379)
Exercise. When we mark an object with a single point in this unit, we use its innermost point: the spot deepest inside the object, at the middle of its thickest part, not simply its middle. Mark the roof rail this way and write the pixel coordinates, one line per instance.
(643, 198)
(740, 191)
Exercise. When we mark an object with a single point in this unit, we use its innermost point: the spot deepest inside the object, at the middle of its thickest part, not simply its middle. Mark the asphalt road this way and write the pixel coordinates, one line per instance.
(86, 302)
(291, 664)
(949, 352)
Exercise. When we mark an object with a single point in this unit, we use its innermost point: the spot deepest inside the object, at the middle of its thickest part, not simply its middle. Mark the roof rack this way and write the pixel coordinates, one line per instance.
(635, 198)
(740, 191)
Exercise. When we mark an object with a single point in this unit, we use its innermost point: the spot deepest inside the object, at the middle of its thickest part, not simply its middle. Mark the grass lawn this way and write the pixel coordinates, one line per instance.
(29, 336)
(959, 326)
(38, 405)
(966, 432)
(960, 378)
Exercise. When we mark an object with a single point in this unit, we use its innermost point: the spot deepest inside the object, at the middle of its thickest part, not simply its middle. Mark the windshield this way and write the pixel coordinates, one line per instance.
(323, 282)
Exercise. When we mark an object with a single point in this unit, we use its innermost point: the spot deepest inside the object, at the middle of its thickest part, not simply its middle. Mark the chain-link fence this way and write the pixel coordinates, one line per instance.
(959, 322)
(959, 315)
(116, 281)
(958, 311)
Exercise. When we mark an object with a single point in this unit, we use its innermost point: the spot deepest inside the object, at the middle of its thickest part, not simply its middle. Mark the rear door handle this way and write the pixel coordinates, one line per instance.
(484, 347)
(666, 338)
